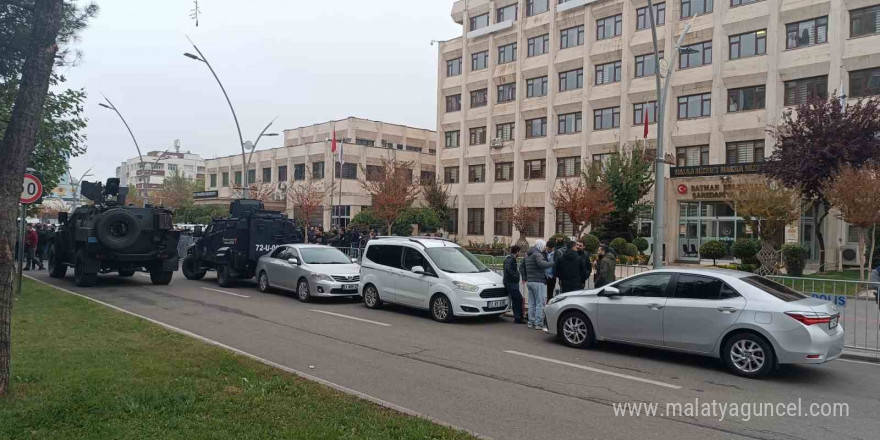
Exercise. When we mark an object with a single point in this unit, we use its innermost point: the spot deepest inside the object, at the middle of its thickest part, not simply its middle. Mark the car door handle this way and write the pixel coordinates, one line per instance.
(655, 306)
(728, 309)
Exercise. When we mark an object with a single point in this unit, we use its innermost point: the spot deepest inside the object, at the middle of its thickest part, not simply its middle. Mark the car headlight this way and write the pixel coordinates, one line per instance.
(556, 299)
(321, 277)
(465, 286)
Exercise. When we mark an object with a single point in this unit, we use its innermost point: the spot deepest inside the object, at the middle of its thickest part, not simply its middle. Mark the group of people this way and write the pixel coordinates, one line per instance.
(343, 237)
(36, 245)
(548, 264)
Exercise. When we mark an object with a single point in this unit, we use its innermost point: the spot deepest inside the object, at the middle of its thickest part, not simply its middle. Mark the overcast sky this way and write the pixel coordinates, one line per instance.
(305, 61)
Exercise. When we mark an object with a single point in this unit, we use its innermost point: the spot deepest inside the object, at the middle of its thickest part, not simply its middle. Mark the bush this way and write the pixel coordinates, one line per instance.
(591, 243)
(795, 258)
(630, 250)
(713, 249)
(641, 243)
(745, 249)
(619, 245)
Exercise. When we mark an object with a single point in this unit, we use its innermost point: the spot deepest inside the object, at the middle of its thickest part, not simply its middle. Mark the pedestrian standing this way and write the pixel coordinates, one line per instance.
(569, 270)
(875, 278)
(511, 284)
(550, 273)
(586, 265)
(30, 248)
(605, 272)
(535, 264)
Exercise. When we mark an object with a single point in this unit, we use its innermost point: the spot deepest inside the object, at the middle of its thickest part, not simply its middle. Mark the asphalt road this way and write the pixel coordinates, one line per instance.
(495, 378)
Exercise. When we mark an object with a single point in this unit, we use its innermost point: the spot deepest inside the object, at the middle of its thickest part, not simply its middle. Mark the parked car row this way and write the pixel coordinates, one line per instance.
(749, 322)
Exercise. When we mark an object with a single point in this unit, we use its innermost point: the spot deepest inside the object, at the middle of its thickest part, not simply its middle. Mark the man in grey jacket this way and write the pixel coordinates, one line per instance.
(535, 264)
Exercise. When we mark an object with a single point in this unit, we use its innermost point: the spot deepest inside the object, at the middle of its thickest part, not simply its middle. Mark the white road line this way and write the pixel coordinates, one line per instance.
(595, 370)
(326, 383)
(351, 317)
(223, 291)
(873, 364)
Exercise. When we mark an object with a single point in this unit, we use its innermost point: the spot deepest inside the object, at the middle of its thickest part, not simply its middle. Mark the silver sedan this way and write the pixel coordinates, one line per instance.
(309, 270)
(751, 323)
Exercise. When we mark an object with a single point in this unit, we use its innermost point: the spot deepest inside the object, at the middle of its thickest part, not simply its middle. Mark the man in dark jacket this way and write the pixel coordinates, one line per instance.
(605, 273)
(511, 284)
(586, 265)
(569, 270)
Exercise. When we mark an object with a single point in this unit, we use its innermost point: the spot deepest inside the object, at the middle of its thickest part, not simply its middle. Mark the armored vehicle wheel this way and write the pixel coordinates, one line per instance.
(80, 277)
(57, 269)
(118, 229)
(160, 277)
(126, 273)
(191, 269)
(223, 278)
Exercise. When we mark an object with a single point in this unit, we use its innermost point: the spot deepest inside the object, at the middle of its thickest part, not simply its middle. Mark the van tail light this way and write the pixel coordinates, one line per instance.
(810, 318)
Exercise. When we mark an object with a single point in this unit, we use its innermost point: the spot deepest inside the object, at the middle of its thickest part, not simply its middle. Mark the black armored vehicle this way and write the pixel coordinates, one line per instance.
(108, 236)
(232, 245)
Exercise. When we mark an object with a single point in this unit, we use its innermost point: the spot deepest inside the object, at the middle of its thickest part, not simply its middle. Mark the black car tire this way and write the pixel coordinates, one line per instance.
(223, 278)
(441, 308)
(80, 278)
(191, 270)
(748, 355)
(371, 297)
(263, 282)
(161, 277)
(575, 330)
(126, 273)
(57, 269)
(303, 291)
(118, 229)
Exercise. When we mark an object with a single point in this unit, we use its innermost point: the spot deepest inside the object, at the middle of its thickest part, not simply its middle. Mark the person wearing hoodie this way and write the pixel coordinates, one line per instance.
(535, 264)
(606, 266)
(569, 270)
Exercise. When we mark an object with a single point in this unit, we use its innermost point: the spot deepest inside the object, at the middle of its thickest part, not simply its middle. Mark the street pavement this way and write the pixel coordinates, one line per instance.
(494, 378)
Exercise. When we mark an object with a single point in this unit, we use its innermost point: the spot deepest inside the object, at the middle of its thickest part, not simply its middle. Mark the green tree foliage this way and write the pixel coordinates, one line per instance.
(437, 197)
(746, 249)
(619, 245)
(641, 244)
(200, 214)
(630, 250)
(427, 218)
(628, 176)
(591, 243)
(713, 249)
(795, 258)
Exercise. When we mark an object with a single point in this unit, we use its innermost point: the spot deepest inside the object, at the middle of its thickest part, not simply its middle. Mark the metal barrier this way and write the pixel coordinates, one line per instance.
(352, 252)
(857, 300)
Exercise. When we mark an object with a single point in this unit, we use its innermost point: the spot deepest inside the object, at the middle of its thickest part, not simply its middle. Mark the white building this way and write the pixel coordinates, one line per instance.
(150, 174)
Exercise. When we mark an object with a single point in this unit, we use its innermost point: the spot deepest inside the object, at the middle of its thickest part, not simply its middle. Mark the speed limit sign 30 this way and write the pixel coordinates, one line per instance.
(31, 190)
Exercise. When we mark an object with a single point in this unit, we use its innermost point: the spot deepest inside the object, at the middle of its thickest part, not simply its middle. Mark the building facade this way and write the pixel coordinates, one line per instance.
(533, 89)
(307, 154)
(150, 174)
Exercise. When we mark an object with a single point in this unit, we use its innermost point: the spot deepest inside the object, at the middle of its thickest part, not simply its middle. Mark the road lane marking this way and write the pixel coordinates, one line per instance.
(223, 291)
(595, 370)
(351, 317)
(873, 364)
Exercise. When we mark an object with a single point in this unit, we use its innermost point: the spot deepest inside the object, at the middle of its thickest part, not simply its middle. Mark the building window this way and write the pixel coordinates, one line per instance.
(692, 156)
(348, 171)
(503, 171)
(538, 45)
(479, 98)
(742, 2)
(609, 27)
(745, 152)
(225, 180)
(507, 53)
(536, 87)
(452, 226)
(365, 142)
(507, 13)
(701, 56)
(641, 110)
(564, 225)
(695, 106)
(748, 45)
(536, 128)
(606, 118)
(801, 91)
(453, 67)
(480, 60)
(477, 173)
(426, 177)
(450, 175)
(807, 33)
(643, 20)
(864, 82)
(299, 171)
(568, 166)
(479, 21)
(506, 92)
(535, 169)
(374, 172)
(645, 65)
(341, 216)
(746, 98)
(571, 80)
(477, 136)
(601, 158)
(252, 177)
(503, 225)
(608, 73)
(475, 221)
(569, 123)
(505, 131)
(689, 8)
(536, 229)
(238, 178)
(213, 180)
(453, 103)
(535, 7)
(267, 174)
(453, 139)
(571, 37)
(865, 21)
(317, 170)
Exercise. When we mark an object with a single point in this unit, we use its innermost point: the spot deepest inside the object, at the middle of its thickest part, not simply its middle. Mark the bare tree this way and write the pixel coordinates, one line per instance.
(767, 207)
(391, 187)
(306, 197)
(856, 195)
(584, 202)
(521, 217)
(259, 190)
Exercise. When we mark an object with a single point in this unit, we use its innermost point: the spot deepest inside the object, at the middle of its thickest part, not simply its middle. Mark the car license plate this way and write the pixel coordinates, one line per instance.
(493, 304)
(349, 287)
(833, 322)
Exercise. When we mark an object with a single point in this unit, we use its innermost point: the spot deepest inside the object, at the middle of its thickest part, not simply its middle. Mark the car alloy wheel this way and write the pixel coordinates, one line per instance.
(574, 330)
(371, 297)
(264, 282)
(747, 356)
(302, 291)
(441, 310)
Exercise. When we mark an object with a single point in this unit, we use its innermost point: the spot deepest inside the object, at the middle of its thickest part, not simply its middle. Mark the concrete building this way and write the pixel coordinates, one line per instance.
(534, 88)
(306, 151)
(156, 165)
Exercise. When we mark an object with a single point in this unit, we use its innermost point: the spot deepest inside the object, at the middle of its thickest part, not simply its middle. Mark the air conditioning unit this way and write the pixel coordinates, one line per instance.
(497, 143)
(850, 255)
(282, 186)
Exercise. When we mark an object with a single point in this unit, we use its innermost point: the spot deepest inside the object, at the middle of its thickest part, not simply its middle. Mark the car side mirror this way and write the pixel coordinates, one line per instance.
(609, 292)
(197, 231)
(62, 217)
(418, 270)
(293, 260)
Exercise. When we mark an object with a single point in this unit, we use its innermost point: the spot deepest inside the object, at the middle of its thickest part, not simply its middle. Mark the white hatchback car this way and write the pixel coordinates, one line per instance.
(430, 273)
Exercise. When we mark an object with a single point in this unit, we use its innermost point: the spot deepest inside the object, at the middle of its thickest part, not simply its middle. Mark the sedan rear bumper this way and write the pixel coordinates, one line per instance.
(809, 345)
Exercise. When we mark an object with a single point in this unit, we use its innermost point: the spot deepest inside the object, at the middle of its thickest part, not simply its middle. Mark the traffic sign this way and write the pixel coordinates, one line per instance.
(31, 190)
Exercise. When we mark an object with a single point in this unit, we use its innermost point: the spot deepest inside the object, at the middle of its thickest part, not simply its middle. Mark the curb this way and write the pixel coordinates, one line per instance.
(861, 357)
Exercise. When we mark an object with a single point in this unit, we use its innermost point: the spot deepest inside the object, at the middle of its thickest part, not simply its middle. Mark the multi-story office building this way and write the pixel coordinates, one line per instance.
(535, 88)
(150, 174)
(307, 154)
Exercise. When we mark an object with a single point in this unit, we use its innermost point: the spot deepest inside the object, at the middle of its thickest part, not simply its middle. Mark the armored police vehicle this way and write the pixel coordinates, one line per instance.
(232, 245)
(108, 236)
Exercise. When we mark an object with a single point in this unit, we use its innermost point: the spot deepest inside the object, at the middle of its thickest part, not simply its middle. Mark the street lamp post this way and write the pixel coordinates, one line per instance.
(252, 146)
(660, 160)
(109, 105)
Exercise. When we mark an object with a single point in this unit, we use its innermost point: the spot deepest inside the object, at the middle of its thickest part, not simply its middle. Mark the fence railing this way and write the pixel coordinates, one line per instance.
(857, 301)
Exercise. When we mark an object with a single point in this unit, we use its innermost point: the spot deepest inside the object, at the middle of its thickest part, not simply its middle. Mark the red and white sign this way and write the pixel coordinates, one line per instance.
(31, 190)
(682, 189)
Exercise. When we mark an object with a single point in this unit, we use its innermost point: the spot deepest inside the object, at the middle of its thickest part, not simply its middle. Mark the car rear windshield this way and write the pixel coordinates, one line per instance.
(323, 255)
(773, 288)
(455, 260)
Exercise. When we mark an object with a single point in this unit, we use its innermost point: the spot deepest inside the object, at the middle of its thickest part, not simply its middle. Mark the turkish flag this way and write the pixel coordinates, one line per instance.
(333, 145)
(645, 117)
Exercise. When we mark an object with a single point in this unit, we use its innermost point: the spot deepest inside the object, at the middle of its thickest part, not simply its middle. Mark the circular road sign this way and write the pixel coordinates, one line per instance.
(31, 189)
